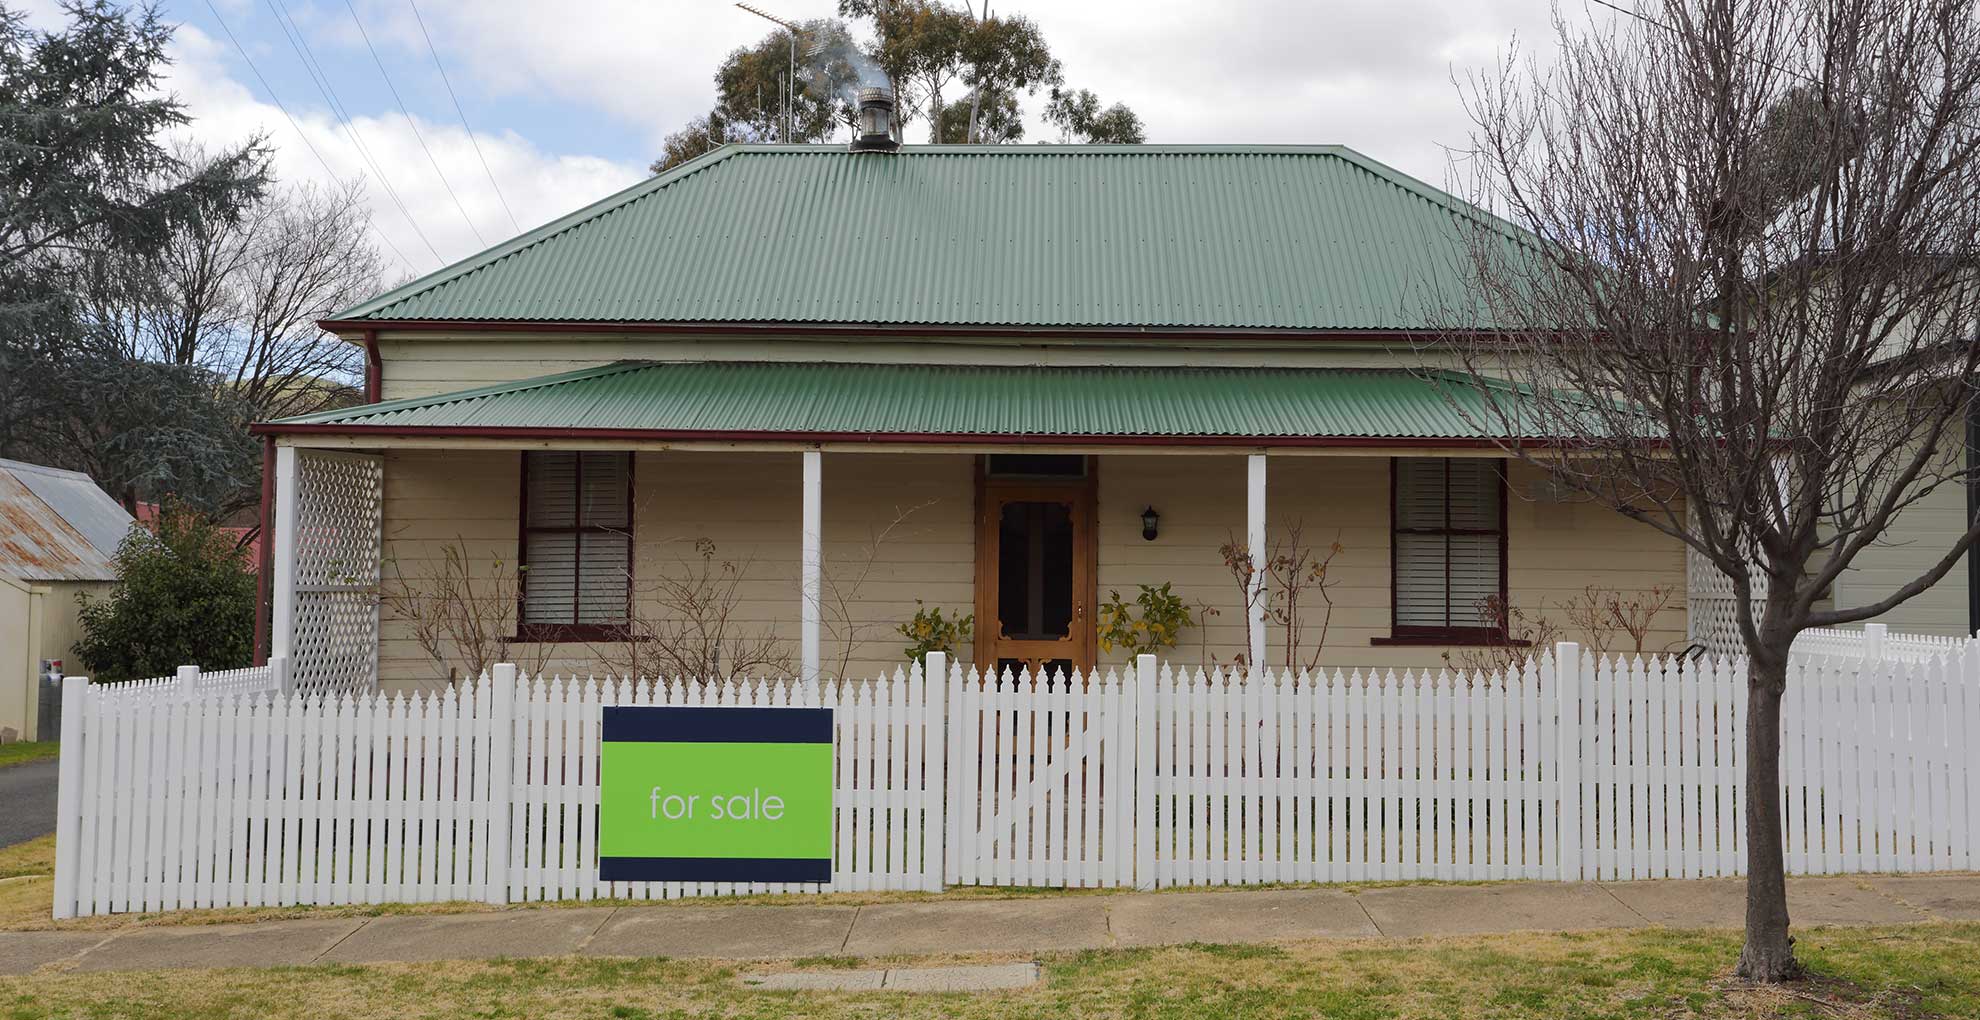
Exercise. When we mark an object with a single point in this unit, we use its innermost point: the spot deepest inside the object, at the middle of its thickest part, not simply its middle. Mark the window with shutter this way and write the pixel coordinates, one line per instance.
(1449, 547)
(576, 544)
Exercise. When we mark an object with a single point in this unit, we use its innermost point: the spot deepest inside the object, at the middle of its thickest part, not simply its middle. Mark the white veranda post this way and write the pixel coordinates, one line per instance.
(1254, 539)
(813, 565)
(329, 544)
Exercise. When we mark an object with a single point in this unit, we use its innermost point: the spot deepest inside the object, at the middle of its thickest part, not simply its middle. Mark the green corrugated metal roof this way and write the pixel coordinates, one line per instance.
(962, 400)
(1306, 237)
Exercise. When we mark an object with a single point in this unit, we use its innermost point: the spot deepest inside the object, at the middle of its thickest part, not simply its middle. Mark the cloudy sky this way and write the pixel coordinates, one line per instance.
(568, 99)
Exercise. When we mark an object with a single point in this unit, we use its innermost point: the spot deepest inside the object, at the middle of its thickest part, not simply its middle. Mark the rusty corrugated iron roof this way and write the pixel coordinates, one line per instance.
(57, 525)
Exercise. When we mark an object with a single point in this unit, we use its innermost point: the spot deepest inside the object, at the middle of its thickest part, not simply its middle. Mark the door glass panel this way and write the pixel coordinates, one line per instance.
(1035, 571)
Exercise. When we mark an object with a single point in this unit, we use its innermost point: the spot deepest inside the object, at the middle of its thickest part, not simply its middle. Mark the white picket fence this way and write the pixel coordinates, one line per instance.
(487, 792)
(1873, 641)
(194, 682)
(1149, 776)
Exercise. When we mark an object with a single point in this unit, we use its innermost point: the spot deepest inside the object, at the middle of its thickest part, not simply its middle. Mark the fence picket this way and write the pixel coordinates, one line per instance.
(1087, 719)
(1969, 757)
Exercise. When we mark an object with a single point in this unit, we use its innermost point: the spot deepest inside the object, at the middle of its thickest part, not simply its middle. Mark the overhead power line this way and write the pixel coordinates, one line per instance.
(300, 44)
(242, 50)
(464, 121)
(394, 89)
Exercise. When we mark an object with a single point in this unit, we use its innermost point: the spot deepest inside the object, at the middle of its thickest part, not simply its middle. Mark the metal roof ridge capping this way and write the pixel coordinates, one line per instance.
(1264, 237)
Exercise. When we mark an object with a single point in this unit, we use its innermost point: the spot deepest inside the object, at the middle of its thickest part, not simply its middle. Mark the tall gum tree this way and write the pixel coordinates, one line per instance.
(1746, 305)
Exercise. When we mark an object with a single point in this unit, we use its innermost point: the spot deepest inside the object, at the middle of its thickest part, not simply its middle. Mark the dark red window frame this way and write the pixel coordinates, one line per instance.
(1400, 634)
(573, 631)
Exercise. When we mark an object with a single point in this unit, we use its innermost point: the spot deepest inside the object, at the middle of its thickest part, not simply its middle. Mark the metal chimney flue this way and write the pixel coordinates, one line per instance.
(876, 121)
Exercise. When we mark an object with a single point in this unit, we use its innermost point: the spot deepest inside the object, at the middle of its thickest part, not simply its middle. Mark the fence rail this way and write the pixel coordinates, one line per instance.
(1567, 767)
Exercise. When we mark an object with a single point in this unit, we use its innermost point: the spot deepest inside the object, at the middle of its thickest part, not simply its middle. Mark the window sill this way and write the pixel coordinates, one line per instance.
(1455, 638)
(560, 633)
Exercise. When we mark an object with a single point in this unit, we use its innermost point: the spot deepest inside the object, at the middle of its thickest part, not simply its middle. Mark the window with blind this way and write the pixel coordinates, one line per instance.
(1449, 548)
(577, 543)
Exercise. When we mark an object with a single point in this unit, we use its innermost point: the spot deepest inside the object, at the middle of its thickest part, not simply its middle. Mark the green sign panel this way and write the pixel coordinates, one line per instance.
(716, 795)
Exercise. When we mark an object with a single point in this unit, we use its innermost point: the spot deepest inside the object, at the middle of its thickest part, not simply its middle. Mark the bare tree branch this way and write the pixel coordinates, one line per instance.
(1740, 302)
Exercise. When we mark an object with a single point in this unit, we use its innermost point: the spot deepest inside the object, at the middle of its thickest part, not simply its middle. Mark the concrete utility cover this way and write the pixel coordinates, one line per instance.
(986, 978)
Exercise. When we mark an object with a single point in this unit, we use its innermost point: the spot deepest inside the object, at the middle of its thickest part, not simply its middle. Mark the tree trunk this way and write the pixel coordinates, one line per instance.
(1768, 955)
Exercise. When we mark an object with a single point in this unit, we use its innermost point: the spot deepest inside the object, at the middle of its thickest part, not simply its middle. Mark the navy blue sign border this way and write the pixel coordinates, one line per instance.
(678, 724)
(715, 869)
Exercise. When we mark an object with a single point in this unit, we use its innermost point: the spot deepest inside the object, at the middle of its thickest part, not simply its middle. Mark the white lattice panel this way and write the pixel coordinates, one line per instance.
(1713, 609)
(338, 544)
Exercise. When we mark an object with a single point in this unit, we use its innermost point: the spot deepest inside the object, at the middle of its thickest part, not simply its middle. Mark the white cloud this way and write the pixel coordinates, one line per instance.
(650, 64)
(538, 185)
(1373, 74)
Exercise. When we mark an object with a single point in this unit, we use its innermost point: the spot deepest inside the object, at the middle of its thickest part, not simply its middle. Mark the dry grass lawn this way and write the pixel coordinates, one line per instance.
(1873, 974)
(1903, 973)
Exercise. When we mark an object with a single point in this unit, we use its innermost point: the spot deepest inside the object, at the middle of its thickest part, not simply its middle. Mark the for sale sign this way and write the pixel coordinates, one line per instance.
(716, 795)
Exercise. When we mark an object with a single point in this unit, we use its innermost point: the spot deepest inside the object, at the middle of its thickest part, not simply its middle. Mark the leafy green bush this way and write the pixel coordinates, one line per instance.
(1153, 623)
(932, 632)
(184, 595)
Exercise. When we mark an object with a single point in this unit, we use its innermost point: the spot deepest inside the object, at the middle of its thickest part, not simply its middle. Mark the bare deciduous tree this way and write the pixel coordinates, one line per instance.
(1293, 570)
(686, 620)
(1524, 631)
(310, 255)
(240, 297)
(1745, 316)
(842, 583)
(462, 613)
(1597, 615)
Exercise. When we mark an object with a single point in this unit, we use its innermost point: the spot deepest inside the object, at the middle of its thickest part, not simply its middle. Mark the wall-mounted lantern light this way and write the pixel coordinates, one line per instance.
(1149, 519)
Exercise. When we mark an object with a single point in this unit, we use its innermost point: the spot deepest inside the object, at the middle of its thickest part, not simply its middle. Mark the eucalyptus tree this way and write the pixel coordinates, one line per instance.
(1078, 115)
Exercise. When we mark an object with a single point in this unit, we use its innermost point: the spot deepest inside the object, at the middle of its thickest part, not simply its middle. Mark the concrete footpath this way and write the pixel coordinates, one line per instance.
(1007, 926)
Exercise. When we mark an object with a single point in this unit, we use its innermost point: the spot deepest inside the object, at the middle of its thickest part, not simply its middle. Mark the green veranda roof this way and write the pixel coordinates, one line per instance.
(790, 399)
(1129, 236)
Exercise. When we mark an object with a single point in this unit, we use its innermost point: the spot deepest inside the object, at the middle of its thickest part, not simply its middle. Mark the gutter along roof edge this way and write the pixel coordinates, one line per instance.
(1003, 439)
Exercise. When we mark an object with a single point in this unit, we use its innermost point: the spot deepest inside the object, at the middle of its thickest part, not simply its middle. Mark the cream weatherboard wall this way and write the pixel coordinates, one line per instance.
(425, 364)
(1916, 539)
(1555, 550)
(897, 529)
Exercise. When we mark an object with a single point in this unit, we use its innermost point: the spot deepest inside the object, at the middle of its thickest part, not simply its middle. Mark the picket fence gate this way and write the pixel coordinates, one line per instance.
(1145, 777)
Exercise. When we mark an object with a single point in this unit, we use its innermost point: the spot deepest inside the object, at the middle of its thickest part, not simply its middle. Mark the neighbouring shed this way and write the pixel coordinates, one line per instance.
(59, 535)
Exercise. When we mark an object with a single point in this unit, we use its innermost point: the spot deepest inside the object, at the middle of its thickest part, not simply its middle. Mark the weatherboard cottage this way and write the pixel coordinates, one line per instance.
(829, 389)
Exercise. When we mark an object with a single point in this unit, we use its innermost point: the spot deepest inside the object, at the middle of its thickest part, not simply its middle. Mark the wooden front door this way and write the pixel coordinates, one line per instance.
(1035, 557)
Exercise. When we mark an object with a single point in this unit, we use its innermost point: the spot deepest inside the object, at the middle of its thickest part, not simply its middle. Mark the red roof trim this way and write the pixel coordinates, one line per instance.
(814, 329)
(915, 438)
